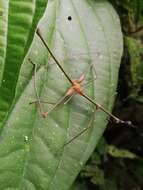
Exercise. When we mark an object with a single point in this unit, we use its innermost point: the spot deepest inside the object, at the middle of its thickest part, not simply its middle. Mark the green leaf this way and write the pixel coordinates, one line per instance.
(78, 186)
(135, 49)
(32, 151)
(95, 173)
(120, 153)
(18, 21)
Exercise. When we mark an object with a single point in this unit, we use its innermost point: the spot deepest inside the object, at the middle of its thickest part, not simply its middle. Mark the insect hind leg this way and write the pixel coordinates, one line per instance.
(84, 130)
(38, 101)
(89, 81)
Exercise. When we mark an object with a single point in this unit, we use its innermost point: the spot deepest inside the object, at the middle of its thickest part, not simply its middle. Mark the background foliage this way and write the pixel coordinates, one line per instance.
(117, 163)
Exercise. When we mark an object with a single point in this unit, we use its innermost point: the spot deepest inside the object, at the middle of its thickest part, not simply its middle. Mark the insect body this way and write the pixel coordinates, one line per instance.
(76, 88)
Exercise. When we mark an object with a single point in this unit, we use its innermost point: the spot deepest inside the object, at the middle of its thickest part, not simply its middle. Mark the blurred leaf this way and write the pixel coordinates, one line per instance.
(102, 146)
(95, 173)
(120, 153)
(78, 186)
(135, 49)
(131, 12)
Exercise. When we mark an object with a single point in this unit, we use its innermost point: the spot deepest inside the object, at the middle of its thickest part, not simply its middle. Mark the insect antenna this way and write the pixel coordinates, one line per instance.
(52, 55)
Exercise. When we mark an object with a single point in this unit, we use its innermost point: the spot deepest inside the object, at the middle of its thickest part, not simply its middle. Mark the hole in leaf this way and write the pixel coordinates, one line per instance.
(69, 18)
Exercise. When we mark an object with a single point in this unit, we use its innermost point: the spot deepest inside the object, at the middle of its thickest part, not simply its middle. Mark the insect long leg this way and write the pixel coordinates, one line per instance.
(88, 82)
(52, 55)
(91, 67)
(84, 130)
(42, 101)
(117, 120)
(70, 97)
(63, 99)
(35, 87)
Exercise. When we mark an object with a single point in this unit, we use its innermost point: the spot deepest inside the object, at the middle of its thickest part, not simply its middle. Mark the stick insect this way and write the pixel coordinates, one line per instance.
(76, 88)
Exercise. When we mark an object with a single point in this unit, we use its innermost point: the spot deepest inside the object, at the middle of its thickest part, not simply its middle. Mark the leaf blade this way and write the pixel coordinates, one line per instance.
(20, 17)
(45, 164)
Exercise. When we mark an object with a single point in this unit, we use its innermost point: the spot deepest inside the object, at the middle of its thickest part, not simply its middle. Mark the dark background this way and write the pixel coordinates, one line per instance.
(117, 163)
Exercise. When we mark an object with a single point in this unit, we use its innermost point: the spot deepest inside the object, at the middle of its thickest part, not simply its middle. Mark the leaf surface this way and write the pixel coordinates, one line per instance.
(32, 151)
(18, 21)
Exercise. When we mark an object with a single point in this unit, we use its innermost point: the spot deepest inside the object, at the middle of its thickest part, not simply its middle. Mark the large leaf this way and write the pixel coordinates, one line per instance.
(32, 151)
(18, 21)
